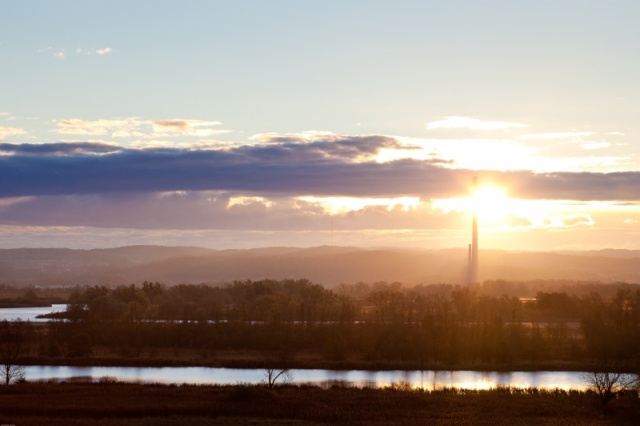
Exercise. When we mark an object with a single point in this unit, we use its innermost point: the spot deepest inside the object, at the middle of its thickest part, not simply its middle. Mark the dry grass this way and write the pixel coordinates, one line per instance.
(120, 403)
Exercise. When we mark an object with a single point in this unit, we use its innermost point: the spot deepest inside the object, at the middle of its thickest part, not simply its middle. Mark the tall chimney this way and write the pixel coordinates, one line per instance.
(473, 267)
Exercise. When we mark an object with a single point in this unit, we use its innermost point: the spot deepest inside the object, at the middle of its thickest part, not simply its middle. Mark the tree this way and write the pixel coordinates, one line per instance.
(608, 384)
(11, 348)
(272, 375)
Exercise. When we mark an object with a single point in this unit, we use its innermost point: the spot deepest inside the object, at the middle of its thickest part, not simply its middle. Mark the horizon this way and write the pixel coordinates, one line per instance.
(364, 248)
(325, 265)
(230, 125)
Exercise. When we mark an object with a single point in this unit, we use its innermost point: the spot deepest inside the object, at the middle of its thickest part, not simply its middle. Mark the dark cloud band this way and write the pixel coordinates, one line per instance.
(330, 166)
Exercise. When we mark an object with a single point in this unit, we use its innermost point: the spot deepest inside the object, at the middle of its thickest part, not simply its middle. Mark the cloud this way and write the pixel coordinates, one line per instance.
(76, 126)
(514, 221)
(585, 186)
(59, 148)
(177, 126)
(184, 145)
(58, 53)
(577, 220)
(88, 52)
(210, 210)
(136, 127)
(215, 210)
(62, 53)
(325, 145)
(557, 135)
(322, 166)
(11, 131)
(563, 221)
(455, 122)
(5, 202)
(181, 125)
(595, 145)
(504, 155)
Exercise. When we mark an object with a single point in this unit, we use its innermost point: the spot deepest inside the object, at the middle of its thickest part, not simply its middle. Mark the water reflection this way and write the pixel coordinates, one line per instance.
(429, 379)
(29, 314)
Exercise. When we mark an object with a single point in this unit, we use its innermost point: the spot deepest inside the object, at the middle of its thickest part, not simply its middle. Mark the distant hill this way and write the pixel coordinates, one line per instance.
(326, 265)
(622, 253)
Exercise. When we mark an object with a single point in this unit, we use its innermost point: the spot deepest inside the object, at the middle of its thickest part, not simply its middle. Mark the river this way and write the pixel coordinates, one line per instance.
(29, 314)
(427, 379)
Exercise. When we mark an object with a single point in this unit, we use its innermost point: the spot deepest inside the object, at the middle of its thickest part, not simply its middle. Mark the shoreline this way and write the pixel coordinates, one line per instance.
(256, 363)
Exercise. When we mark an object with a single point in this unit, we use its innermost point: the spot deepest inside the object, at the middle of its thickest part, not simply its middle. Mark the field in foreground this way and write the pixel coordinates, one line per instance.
(121, 403)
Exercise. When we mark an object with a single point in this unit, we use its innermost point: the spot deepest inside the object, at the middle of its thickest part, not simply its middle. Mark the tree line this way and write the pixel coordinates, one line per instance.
(376, 323)
(302, 301)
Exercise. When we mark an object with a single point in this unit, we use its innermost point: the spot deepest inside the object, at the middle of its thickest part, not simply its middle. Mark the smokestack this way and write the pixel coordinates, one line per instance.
(473, 265)
(469, 263)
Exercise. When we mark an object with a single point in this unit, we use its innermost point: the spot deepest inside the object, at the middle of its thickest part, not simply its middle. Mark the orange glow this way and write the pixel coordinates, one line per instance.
(490, 204)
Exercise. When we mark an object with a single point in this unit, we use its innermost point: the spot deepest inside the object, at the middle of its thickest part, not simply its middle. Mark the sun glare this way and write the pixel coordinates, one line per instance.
(496, 211)
(490, 204)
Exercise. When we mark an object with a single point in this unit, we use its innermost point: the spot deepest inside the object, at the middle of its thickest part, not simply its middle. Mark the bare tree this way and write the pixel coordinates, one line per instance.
(11, 348)
(273, 375)
(608, 384)
(12, 372)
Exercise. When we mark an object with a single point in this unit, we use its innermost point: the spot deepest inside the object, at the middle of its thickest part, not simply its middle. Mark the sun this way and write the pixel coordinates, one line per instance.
(490, 204)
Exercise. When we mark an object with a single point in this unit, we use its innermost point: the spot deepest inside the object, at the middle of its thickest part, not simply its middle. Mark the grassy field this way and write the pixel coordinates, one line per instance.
(134, 404)
(187, 357)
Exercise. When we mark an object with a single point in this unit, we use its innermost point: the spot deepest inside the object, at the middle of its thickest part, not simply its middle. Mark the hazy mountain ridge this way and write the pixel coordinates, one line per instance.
(324, 264)
(621, 253)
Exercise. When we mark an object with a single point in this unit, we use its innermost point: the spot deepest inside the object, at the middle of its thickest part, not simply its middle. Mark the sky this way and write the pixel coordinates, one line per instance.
(255, 123)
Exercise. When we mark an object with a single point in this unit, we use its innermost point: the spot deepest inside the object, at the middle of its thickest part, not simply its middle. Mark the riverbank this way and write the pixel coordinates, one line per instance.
(181, 357)
(12, 298)
(132, 404)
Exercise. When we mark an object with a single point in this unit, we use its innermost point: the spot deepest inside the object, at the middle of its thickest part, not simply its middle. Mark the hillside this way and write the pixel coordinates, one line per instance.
(326, 265)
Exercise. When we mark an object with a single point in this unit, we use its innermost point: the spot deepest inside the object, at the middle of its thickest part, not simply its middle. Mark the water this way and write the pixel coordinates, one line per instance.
(29, 314)
(428, 379)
